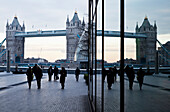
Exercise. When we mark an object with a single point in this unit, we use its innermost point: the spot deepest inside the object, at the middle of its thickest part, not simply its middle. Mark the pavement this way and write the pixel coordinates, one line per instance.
(16, 97)
(50, 98)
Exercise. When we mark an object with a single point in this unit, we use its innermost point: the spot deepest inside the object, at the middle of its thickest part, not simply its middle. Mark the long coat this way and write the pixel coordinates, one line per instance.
(77, 72)
(29, 74)
(140, 76)
(50, 71)
(110, 76)
(55, 71)
(62, 76)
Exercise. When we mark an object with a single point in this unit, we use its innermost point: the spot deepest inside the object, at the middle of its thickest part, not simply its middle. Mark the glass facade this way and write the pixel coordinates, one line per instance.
(99, 96)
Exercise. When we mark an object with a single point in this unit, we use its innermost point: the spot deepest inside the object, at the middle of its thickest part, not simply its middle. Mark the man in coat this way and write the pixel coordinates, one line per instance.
(29, 74)
(38, 74)
(110, 78)
(56, 73)
(140, 77)
(62, 77)
(50, 73)
(77, 72)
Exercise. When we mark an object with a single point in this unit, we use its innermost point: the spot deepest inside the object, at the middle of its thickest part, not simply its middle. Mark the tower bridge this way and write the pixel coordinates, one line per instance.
(145, 35)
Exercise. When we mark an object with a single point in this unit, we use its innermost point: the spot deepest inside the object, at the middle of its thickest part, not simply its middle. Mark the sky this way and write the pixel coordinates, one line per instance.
(52, 15)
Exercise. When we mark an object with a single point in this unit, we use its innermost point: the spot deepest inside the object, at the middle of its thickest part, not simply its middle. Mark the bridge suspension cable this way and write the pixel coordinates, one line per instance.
(2, 53)
(168, 52)
(2, 42)
(163, 57)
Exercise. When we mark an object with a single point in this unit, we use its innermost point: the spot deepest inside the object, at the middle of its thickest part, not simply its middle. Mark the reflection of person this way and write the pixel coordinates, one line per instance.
(29, 74)
(104, 74)
(130, 74)
(50, 73)
(56, 73)
(115, 72)
(16, 68)
(38, 74)
(62, 77)
(110, 78)
(77, 72)
(140, 76)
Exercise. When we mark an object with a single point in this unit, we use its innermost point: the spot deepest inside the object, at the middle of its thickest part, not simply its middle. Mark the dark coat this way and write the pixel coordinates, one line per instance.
(140, 76)
(55, 71)
(50, 71)
(63, 75)
(29, 74)
(38, 72)
(127, 70)
(132, 75)
(77, 72)
(110, 76)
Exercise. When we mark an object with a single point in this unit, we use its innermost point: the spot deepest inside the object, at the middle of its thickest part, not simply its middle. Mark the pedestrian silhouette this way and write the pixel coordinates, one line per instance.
(77, 72)
(56, 73)
(110, 78)
(30, 76)
(104, 74)
(115, 71)
(140, 77)
(50, 73)
(130, 74)
(38, 74)
(62, 77)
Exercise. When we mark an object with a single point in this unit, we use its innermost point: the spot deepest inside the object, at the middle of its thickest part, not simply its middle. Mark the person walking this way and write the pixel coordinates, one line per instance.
(62, 77)
(132, 77)
(110, 78)
(77, 72)
(50, 73)
(30, 76)
(56, 73)
(38, 74)
(104, 74)
(130, 74)
(115, 71)
(140, 77)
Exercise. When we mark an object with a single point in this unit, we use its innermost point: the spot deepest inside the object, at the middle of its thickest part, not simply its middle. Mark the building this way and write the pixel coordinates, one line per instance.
(13, 44)
(35, 60)
(128, 61)
(146, 47)
(164, 58)
(74, 29)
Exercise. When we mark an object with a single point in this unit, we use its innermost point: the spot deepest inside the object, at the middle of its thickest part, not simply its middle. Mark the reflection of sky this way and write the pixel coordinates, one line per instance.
(43, 14)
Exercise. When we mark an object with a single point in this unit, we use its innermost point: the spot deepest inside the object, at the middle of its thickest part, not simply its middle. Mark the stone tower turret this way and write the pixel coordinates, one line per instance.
(74, 30)
(15, 44)
(146, 48)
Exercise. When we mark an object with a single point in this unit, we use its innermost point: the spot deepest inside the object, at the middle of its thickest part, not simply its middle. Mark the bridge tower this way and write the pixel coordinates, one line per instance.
(15, 44)
(74, 29)
(146, 48)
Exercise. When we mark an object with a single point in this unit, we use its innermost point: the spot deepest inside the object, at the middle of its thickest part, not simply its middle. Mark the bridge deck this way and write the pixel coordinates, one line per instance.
(40, 33)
